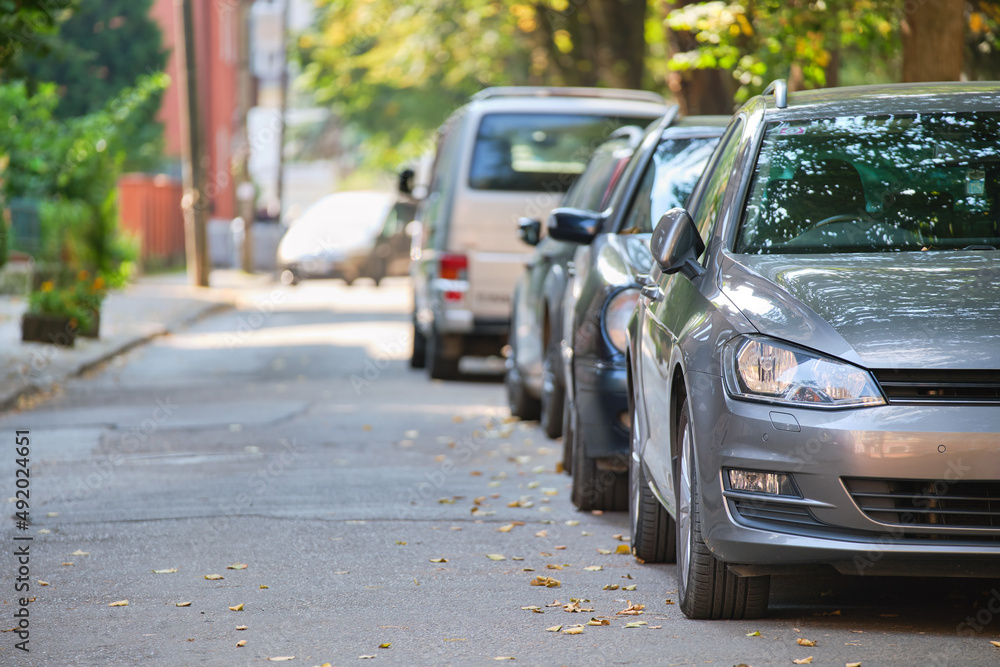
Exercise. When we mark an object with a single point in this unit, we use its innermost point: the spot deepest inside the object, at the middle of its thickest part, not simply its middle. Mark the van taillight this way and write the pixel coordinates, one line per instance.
(454, 267)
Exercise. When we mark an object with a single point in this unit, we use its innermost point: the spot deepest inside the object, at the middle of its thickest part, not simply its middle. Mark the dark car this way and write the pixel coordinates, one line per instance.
(602, 293)
(535, 375)
(815, 362)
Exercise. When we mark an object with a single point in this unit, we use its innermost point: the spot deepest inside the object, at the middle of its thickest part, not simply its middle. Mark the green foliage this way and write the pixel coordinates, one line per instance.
(27, 26)
(102, 48)
(762, 40)
(65, 302)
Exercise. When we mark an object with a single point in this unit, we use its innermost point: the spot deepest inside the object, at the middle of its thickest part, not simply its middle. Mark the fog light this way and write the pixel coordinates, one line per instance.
(753, 481)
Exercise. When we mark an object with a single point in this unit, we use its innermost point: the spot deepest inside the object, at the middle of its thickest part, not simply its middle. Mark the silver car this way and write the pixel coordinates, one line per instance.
(815, 359)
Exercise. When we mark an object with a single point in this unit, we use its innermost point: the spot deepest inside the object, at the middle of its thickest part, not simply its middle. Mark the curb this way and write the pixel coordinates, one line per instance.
(10, 402)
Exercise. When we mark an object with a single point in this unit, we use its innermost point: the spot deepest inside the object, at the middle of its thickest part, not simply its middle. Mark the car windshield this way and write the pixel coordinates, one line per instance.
(537, 152)
(916, 182)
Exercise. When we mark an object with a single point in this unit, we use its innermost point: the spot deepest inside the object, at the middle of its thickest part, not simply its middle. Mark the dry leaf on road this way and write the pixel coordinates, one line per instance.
(238, 607)
(623, 549)
(506, 528)
(575, 630)
(241, 627)
(80, 553)
(755, 633)
(598, 621)
(170, 571)
(496, 557)
(214, 577)
(439, 560)
(803, 661)
(120, 603)
(182, 604)
(635, 624)
(805, 642)
(237, 566)
(548, 582)
(282, 658)
(554, 628)
(610, 587)
(241, 643)
(593, 568)
(385, 645)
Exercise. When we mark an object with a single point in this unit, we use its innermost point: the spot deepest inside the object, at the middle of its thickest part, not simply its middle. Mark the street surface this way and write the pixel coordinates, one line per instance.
(365, 502)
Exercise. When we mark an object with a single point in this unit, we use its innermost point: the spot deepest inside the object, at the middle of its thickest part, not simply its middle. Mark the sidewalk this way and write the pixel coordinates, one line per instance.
(152, 306)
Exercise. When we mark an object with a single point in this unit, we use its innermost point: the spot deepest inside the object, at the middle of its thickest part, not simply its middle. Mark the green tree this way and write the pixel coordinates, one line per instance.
(26, 26)
(103, 47)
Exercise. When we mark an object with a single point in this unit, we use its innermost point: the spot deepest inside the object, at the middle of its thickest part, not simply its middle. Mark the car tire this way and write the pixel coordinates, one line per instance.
(439, 366)
(706, 589)
(596, 488)
(654, 535)
(568, 433)
(418, 356)
(552, 400)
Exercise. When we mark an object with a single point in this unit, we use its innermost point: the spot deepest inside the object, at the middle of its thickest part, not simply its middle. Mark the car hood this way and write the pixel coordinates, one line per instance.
(885, 310)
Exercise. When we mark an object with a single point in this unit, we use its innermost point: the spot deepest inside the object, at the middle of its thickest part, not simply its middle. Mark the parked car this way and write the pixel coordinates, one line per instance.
(815, 366)
(535, 376)
(348, 235)
(509, 153)
(614, 248)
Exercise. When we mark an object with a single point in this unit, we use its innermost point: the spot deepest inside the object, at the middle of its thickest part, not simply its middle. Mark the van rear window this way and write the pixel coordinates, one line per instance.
(538, 152)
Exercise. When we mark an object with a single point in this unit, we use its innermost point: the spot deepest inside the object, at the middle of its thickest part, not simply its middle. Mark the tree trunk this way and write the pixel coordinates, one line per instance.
(933, 40)
(620, 26)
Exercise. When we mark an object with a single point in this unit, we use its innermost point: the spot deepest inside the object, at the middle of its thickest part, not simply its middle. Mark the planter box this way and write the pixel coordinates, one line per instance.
(53, 329)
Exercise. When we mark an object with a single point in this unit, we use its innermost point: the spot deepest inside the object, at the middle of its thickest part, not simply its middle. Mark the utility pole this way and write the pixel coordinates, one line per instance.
(284, 109)
(193, 202)
(245, 188)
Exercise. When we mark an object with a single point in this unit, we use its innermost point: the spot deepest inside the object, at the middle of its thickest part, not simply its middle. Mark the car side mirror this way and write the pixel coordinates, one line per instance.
(574, 225)
(676, 244)
(529, 230)
(406, 181)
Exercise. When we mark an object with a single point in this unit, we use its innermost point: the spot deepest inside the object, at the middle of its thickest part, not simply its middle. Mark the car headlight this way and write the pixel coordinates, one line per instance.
(766, 370)
(616, 315)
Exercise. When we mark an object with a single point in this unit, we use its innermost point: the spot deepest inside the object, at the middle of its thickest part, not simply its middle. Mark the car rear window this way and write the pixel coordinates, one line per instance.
(537, 152)
(917, 182)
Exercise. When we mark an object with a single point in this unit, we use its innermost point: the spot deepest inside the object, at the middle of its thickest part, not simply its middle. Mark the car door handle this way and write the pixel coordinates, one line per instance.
(652, 292)
(643, 279)
(570, 269)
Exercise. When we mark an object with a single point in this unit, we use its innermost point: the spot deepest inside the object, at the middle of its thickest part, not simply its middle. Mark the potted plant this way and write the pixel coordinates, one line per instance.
(54, 316)
(89, 295)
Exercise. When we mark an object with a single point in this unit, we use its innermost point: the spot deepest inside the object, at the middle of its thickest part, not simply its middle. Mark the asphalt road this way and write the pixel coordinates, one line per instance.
(365, 502)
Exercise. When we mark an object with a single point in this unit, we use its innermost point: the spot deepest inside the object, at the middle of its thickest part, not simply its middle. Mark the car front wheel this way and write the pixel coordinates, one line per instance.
(705, 586)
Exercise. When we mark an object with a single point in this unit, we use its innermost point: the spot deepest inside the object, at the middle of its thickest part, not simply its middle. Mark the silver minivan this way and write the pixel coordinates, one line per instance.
(508, 154)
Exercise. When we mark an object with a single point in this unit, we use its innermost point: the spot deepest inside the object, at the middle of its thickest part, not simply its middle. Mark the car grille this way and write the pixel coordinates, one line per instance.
(774, 514)
(939, 386)
(918, 503)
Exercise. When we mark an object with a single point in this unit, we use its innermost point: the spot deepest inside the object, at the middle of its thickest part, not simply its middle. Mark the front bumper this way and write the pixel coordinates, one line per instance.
(831, 454)
(601, 402)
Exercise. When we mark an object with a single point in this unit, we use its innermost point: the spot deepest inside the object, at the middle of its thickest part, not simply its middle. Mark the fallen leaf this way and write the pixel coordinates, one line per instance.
(635, 624)
(80, 553)
(805, 642)
(631, 610)
(241, 627)
(214, 577)
(623, 549)
(446, 501)
(264, 586)
(997, 644)
(557, 603)
(554, 628)
(238, 607)
(516, 558)
(496, 557)
(597, 512)
(170, 571)
(803, 661)
(401, 543)
(182, 604)
(282, 658)
(241, 643)
(120, 603)
(655, 627)
(575, 630)
(456, 528)
(365, 657)
(476, 473)
(366, 427)
(385, 645)
(458, 419)
(553, 566)
(572, 607)
(66, 564)
(237, 566)
(504, 657)
(855, 664)
(610, 587)
(506, 528)
(550, 492)
(560, 548)
(42, 583)
(630, 588)
(534, 609)
(598, 621)
(755, 633)
(573, 522)
(668, 601)
(593, 568)
(439, 560)
(604, 552)
(542, 533)
(548, 582)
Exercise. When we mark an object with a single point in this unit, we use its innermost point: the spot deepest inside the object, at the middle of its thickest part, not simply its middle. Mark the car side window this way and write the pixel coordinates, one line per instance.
(714, 191)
